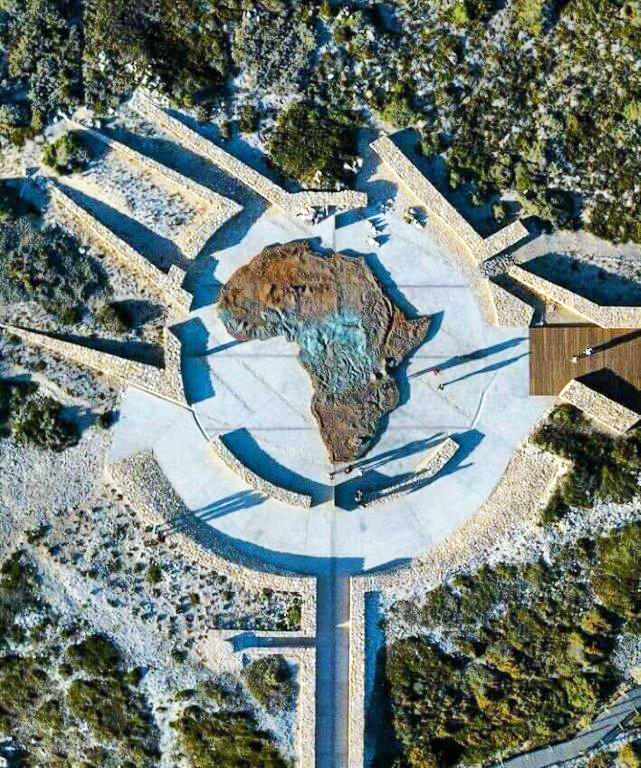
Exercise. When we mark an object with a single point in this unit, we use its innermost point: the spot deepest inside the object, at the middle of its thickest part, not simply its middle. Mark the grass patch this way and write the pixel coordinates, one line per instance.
(602, 467)
(226, 740)
(45, 265)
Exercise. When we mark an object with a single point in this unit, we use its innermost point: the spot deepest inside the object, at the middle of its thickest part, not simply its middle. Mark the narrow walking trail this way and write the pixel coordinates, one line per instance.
(607, 725)
(332, 666)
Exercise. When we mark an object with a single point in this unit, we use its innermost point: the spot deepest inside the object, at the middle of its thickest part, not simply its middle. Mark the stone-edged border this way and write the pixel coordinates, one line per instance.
(215, 209)
(529, 479)
(426, 469)
(498, 305)
(604, 316)
(511, 312)
(165, 287)
(248, 476)
(163, 382)
(597, 406)
(305, 657)
(292, 203)
(142, 484)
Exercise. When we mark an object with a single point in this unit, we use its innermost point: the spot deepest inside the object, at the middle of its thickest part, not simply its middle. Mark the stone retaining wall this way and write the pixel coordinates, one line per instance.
(291, 203)
(165, 287)
(252, 479)
(606, 317)
(426, 469)
(427, 194)
(510, 310)
(611, 414)
(499, 307)
(142, 483)
(165, 382)
(522, 491)
(215, 209)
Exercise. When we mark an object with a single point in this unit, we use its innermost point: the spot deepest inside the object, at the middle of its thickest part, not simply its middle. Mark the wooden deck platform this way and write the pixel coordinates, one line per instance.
(614, 366)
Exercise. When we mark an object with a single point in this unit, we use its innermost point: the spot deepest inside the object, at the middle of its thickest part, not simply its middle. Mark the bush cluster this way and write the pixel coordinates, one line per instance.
(46, 265)
(602, 467)
(28, 417)
(313, 147)
(520, 655)
(66, 154)
(270, 682)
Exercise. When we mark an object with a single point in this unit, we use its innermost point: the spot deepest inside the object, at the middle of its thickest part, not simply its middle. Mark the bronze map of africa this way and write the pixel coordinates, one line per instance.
(351, 336)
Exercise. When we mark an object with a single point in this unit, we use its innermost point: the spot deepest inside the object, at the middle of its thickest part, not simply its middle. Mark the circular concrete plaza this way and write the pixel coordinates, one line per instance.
(257, 395)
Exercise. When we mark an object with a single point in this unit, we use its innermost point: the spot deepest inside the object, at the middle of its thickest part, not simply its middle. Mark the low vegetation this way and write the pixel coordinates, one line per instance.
(60, 676)
(29, 417)
(601, 467)
(228, 739)
(540, 99)
(312, 147)
(100, 700)
(271, 682)
(66, 154)
(45, 265)
(514, 656)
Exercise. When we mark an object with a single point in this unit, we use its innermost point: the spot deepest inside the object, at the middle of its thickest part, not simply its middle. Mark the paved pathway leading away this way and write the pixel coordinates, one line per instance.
(604, 728)
(332, 668)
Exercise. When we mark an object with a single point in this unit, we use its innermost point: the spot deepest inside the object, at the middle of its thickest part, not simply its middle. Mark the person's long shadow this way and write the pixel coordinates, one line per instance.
(478, 354)
(227, 506)
(377, 484)
(487, 369)
(416, 446)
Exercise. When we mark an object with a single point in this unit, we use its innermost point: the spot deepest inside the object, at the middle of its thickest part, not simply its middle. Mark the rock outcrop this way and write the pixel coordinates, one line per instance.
(351, 335)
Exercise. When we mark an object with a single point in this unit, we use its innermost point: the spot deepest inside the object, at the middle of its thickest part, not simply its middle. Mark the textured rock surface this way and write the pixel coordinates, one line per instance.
(351, 336)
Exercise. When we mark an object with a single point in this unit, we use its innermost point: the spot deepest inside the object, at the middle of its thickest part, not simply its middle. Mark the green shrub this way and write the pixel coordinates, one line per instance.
(45, 265)
(555, 509)
(154, 573)
(229, 739)
(529, 657)
(305, 143)
(30, 418)
(66, 154)
(566, 414)
(271, 682)
(117, 717)
(601, 467)
(248, 118)
(96, 655)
